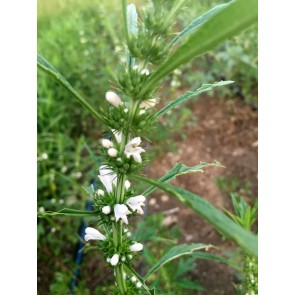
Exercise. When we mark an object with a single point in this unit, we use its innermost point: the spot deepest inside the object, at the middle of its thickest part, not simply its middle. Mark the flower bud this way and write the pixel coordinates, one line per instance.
(127, 184)
(136, 247)
(133, 279)
(113, 99)
(138, 284)
(145, 72)
(106, 210)
(107, 143)
(100, 192)
(112, 152)
(93, 234)
(115, 259)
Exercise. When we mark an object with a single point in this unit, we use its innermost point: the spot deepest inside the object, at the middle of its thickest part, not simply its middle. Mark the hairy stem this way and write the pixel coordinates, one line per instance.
(117, 226)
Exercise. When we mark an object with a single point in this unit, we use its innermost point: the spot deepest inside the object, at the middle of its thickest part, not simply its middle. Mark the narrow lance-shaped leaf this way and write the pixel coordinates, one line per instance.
(197, 22)
(218, 219)
(188, 95)
(174, 253)
(180, 169)
(46, 67)
(227, 22)
(69, 212)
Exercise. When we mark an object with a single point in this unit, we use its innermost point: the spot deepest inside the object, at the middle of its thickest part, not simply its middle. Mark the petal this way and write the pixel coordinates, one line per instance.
(135, 141)
(124, 219)
(93, 234)
(112, 152)
(136, 247)
(107, 143)
(118, 135)
(113, 98)
(139, 210)
(127, 184)
(137, 157)
(115, 259)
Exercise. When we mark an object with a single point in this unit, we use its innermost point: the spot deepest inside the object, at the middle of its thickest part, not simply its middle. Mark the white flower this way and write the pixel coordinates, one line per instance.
(44, 156)
(136, 247)
(106, 210)
(118, 135)
(121, 211)
(107, 143)
(115, 259)
(112, 152)
(133, 279)
(100, 192)
(113, 99)
(93, 234)
(135, 67)
(41, 209)
(77, 175)
(135, 203)
(127, 184)
(145, 72)
(64, 169)
(147, 104)
(133, 149)
(141, 112)
(138, 284)
(107, 177)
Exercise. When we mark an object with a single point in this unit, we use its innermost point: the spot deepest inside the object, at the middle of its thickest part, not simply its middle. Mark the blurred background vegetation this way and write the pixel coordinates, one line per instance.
(83, 40)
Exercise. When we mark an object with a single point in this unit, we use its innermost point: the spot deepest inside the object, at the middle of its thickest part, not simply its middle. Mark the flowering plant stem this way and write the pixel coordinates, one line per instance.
(117, 226)
(133, 116)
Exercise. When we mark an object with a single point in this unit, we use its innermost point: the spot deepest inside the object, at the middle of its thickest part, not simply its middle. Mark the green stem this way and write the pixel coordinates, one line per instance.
(117, 226)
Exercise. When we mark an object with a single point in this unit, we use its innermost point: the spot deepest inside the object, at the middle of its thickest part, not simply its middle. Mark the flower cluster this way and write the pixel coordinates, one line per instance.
(120, 211)
(115, 200)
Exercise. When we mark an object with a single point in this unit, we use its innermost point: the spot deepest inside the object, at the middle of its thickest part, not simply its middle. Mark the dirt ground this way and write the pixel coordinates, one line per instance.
(226, 131)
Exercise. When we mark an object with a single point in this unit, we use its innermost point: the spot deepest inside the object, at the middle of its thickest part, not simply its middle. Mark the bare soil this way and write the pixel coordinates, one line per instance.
(226, 131)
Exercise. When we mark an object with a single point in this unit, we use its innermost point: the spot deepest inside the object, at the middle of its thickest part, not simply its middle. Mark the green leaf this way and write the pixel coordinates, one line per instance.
(69, 212)
(187, 284)
(188, 95)
(174, 253)
(180, 169)
(218, 219)
(213, 257)
(89, 190)
(227, 22)
(92, 155)
(46, 67)
(197, 22)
